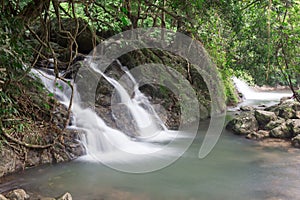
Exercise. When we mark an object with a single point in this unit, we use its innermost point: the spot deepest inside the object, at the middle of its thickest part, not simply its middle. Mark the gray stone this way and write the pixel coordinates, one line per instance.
(286, 113)
(273, 124)
(243, 124)
(66, 196)
(261, 134)
(296, 106)
(296, 141)
(281, 131)
(283, 99)
(246, 108)
(264, 117)
(294, 126)
(288, 109)
(18, 194)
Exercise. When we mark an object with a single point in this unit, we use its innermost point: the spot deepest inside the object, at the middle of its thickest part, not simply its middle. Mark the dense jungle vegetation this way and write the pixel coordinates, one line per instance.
(257, 40)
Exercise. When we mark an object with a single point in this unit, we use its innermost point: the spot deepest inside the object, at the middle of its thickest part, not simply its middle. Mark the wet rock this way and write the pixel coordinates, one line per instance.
(281, 131)
(18, 194)
(124, 120)
(294, 126)
(264, 117)
(296, 141)
(243, 124)
(66, 196)
(85, 39)
(288, 109)
(261, 134)
(246, 108)
(71, 72)
(286, 113)
(273, 124)
(283, 99)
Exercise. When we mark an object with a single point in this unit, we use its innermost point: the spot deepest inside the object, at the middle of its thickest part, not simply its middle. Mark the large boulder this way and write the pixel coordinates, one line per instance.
(281, 131)
(243, 124)
(287, 109)
(246, 108)
(18, 194)
(275, 123)
(294, 126)
(85, 38)
(264, 117)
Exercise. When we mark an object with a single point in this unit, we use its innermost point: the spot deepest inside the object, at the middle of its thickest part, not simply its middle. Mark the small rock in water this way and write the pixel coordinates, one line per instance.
(296, 141)
(262, 106)
(18, 194)
(246, 108)
(261, 134)
(66, 196)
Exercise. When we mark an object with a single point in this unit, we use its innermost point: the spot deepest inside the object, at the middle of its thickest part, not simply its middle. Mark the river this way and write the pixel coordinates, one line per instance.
(236, 168)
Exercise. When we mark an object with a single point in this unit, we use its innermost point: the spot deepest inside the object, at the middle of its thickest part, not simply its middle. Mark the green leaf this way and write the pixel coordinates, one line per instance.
(50, 95)
(124, 20)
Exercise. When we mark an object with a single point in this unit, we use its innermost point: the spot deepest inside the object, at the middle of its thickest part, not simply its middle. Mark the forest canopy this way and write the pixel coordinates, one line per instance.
(257, 40)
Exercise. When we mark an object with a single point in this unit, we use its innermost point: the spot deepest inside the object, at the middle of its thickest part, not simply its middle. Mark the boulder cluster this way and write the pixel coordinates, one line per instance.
(278, 121)
(20, 194)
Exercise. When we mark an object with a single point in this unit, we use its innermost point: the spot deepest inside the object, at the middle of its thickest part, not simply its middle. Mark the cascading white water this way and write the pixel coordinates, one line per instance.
(100, 140)
(250, 94)
(145, 118)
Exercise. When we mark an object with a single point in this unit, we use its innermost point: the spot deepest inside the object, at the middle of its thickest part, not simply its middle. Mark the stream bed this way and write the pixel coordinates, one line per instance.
(236, 169)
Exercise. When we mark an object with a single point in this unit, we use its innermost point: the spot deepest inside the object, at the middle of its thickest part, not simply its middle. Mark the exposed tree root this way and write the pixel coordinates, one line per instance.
(33, 146)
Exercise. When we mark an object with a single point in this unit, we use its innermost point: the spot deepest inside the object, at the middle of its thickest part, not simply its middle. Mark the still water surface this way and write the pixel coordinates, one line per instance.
(236, 169)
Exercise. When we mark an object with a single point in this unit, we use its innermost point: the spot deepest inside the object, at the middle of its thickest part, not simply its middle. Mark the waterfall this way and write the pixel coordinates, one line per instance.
(100, 140)
(250, 94)
(141, 109)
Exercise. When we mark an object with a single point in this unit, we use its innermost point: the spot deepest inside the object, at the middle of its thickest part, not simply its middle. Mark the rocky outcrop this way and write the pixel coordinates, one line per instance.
(264, 117)
(85, 38)
(243, 124)
(67, 149)
(280, 121)
(20, 194)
